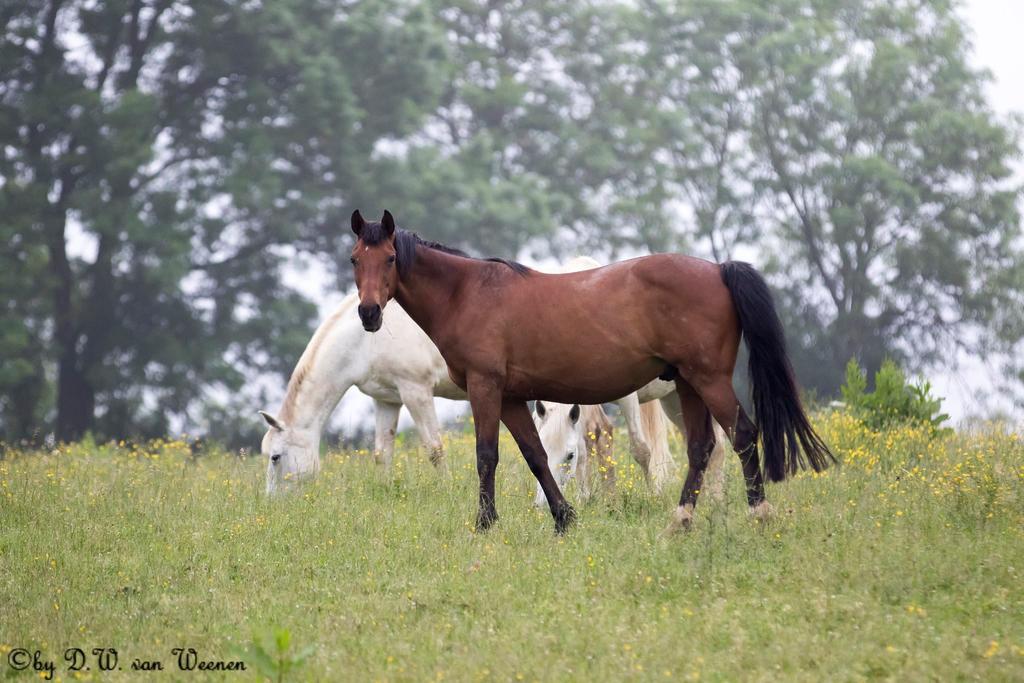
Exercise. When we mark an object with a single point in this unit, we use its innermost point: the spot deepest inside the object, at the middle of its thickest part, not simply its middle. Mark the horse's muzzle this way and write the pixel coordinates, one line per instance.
(371, 317)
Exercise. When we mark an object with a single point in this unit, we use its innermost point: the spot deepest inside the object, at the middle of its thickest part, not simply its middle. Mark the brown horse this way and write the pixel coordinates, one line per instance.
(510, 334)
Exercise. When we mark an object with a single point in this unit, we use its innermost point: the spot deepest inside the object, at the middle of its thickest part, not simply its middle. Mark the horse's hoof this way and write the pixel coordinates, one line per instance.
(564, 519)
(761, 512)
(682, 520)
(439, 461)
(485, 520)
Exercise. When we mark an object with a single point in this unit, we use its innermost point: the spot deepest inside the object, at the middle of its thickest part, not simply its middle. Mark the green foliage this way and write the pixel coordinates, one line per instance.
(270, 654)
(167, 163)
(535, 137)
(862, 113)
(894, 400)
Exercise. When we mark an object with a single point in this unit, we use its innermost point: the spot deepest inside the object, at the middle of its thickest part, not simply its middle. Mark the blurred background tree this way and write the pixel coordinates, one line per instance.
(886, 179)
(166, 162)
(158, 157)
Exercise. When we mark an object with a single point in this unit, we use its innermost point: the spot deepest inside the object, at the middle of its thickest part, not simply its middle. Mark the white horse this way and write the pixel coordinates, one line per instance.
(398, 366)
(577, 440)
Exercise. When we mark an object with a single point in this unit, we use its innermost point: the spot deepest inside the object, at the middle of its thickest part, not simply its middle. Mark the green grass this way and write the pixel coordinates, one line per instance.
(906, 563)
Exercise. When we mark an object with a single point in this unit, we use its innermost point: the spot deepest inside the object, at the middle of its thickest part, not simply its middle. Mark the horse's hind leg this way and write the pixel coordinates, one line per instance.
(700, 442)
(384, 433)
(596, 452)
(638, 446)
(661, 465)
(714, 478)
(602, 445)
(720, 398)
(713, 475)
(420, 402)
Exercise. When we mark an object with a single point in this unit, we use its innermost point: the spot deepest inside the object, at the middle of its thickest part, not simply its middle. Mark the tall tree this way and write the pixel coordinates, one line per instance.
(887, 178)
(850, 137)
(158, 156)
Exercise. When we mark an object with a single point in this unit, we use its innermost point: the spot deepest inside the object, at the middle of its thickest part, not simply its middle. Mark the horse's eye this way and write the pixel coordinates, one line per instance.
(391, 259)
(275, 457)
(353, 260)
(569, 457)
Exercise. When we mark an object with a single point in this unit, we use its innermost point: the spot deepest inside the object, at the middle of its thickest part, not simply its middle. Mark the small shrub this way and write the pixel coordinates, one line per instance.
(271, 655)
(894, 400)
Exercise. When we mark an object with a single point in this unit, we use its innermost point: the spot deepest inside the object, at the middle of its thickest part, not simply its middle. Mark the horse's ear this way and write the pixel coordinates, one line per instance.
(540, 409)
(357, 223)
(388, 223)
(574, 413)
(271, 420)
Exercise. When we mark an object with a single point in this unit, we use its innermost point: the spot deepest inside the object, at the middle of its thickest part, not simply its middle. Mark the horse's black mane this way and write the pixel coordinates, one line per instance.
(406, 243)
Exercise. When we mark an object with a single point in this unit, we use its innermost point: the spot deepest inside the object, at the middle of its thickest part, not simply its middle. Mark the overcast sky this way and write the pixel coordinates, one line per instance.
(997, 39)
(997, 28)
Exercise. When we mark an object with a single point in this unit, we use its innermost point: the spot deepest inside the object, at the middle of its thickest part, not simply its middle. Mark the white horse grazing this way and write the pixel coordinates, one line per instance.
(577, 440)
(398, 366)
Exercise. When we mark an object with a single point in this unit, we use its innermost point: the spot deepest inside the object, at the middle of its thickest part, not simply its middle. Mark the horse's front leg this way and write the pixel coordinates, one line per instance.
(638, 445)
(485, 401)
(516, 416)
(600, 440)
(588, 462)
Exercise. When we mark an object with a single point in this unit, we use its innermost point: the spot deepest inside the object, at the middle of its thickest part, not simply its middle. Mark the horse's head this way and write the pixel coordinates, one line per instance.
(561, 434)
(291, 454)
(373, 259)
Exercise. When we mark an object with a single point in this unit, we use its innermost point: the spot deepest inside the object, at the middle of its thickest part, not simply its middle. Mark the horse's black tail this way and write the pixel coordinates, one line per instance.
(779, 414)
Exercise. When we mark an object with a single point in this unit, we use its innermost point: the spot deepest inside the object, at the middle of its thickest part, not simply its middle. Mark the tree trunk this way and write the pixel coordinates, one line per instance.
(854, 335)
(24, 412)
(76, 399)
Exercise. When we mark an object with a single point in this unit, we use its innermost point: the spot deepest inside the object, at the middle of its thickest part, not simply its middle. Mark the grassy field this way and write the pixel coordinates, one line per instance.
(906, 563)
